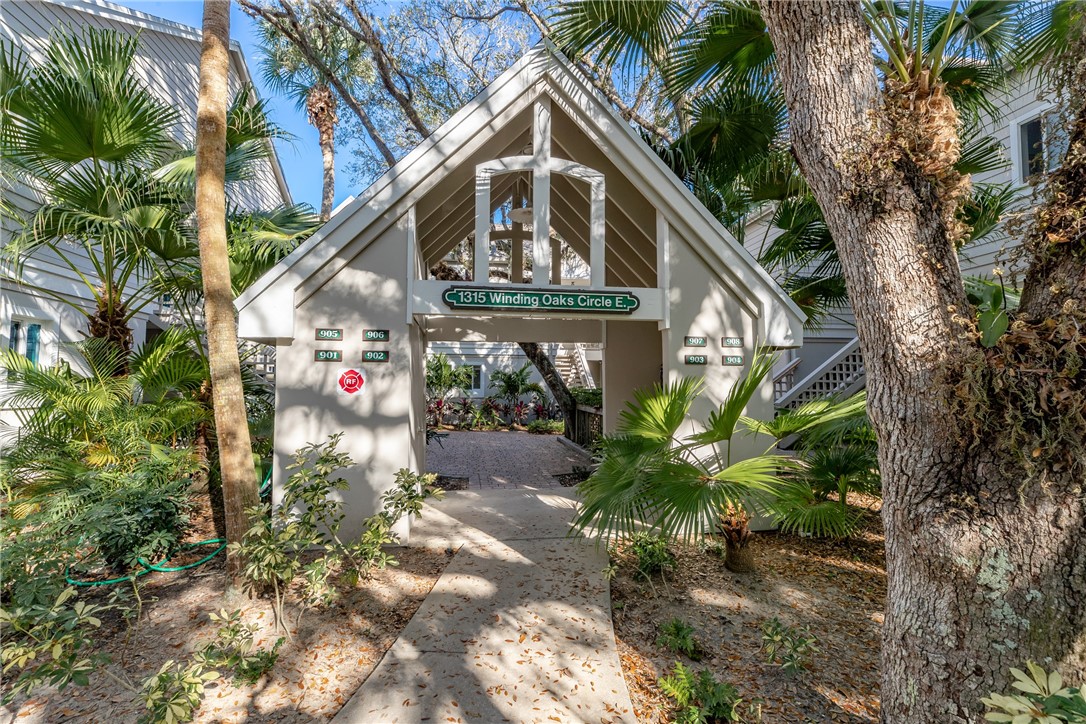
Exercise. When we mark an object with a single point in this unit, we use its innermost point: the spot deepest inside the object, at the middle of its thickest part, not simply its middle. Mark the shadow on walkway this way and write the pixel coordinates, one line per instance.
(518, 628)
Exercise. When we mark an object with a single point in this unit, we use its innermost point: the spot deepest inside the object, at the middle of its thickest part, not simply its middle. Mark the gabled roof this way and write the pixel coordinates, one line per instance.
(542, 70)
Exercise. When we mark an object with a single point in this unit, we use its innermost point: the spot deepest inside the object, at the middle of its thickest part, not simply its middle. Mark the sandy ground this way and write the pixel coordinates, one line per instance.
(331, 653)
(836, 588)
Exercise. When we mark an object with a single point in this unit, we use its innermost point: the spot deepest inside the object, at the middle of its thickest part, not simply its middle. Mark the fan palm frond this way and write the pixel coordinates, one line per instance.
(617, 32)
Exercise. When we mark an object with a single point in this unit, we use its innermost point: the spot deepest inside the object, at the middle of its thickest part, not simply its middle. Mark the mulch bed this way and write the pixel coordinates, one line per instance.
(837, 588)
(569, 480)
(331, 653)
(451, 482)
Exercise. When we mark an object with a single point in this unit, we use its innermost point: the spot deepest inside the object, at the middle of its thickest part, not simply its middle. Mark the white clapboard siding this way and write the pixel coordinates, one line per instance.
(168, 62)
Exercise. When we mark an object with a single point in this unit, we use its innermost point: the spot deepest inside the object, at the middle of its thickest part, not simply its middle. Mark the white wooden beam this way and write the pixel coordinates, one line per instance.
(541, 188)
(597, 233)
(663, 265)
(481, 260)
(516, 243)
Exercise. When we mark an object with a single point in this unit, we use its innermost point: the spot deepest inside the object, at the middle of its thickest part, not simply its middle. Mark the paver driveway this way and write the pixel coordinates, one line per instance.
(502, 459)
(517, 629)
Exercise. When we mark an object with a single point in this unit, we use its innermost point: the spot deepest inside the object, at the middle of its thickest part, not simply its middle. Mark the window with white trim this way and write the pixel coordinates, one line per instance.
(1042, 143)
(476, 377)
(25, 337)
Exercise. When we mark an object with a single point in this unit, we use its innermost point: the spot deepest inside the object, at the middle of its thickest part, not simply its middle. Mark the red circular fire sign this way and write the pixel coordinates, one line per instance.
(351, 381)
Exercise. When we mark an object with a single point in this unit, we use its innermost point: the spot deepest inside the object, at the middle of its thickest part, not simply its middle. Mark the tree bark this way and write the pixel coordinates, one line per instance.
(231, 420)
(1058, 237)
(542, 361)
(985, 552)
(321, 107)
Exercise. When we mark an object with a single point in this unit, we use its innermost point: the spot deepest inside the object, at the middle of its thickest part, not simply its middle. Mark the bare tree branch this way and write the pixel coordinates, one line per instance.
(286, 21)
(363, 31)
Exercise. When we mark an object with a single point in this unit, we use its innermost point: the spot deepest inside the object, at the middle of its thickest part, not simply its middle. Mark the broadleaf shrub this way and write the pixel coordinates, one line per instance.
(546, 427)
(309, 519)
(1041, 698)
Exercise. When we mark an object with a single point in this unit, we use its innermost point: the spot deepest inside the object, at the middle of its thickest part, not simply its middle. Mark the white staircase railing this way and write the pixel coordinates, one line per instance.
(572, 364)
(842, 374)
(785, 380)
(581, 363)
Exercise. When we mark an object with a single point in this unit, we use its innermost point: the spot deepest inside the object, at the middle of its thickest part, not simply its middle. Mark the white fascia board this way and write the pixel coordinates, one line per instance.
(391, 187)
(134, 18)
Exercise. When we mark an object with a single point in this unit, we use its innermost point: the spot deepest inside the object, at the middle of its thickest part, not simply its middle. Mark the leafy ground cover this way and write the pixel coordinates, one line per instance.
(835, 587)
(331, 652)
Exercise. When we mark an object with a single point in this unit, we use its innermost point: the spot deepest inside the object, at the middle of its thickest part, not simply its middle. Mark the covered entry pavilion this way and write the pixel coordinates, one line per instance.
(536, 169)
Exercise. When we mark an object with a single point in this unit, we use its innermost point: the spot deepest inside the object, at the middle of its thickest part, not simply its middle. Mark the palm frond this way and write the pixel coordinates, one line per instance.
(798, 508)
(657, 413)
(617, 32)
(722, 422)
(729, 47)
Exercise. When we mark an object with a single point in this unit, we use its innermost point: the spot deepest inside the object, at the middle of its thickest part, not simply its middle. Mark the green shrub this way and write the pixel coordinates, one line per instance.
(309, 518)
(589, 396)
(677, 636)
(234, 648)
(651, 553)
(700, 698)
(175, 693)
(47, 644)
(140, 522)
(546, 427)
(787, 646)
(1041, 699)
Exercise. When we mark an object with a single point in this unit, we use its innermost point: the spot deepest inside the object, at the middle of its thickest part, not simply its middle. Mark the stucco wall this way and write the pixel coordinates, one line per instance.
(702, 306)
(368, 293)
(631, 361)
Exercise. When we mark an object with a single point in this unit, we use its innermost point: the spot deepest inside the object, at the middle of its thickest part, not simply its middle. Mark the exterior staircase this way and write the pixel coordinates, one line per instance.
(572, 364)
(841, 375)
(260, 358)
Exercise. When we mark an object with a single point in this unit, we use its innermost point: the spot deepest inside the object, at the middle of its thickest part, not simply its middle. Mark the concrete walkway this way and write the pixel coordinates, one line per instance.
(517, 629)
(503, 459)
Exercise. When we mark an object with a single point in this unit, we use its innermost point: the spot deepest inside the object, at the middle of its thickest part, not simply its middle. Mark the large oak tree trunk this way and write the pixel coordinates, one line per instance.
(985, 547)
(231, 420)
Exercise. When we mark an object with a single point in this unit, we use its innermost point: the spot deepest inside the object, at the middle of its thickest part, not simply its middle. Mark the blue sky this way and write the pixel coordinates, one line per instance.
(300, 158)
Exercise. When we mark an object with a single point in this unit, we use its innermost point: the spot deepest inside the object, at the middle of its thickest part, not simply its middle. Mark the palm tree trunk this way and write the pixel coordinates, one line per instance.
(108, 322)
(321, 107)
(231, 421)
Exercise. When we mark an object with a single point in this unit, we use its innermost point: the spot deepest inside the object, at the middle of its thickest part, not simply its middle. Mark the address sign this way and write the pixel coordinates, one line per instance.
(497, 299)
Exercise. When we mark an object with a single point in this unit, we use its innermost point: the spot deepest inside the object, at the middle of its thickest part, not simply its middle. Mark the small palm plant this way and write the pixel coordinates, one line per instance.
(511, 386)
(837, 444)
(650, 477)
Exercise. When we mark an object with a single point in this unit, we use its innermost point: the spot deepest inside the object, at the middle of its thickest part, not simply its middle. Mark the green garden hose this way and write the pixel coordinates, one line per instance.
(171, 569)
(160, 566)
